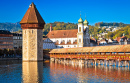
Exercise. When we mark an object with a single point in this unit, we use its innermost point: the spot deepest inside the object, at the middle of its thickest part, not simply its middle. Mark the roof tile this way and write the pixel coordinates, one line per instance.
(32, 15)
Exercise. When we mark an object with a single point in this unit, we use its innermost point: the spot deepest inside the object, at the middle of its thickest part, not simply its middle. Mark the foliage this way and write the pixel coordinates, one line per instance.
(119, 33)
(59, 26)
(101, 24)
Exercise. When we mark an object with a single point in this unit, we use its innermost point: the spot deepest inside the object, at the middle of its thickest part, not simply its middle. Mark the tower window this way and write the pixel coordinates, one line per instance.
(32, 31)
(79, 29)
(79, 40)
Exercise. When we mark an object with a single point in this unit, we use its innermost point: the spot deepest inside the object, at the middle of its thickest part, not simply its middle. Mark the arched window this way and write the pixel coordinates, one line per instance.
(63, 40)
(79, 40)
(79, 29)
(57, 41)
(69, 40)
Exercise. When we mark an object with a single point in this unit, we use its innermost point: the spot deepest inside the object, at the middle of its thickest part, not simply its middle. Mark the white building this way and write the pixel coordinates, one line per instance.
(48, 44)
(71, 38)
(114, 29)
(17, 40)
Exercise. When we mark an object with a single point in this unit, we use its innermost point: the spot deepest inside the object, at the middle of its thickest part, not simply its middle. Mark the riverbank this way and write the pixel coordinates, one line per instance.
(4, 59)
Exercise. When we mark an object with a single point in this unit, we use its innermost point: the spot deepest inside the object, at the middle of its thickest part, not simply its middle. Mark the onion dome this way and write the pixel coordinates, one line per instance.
(86, 22)
(80, 20)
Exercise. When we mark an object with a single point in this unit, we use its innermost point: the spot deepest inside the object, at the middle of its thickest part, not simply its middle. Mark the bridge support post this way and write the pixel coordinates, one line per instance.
(107, 63)
(59, 60)
(52, 59)
(128, 64)
(110, 62)
(119, 63)
(114, 63)
(56, 60)
(81, 63)
(95, 62)
(64, 60)
(103, 62)
(85, 62)
(72, 61)
(67, 61)
(99, 62)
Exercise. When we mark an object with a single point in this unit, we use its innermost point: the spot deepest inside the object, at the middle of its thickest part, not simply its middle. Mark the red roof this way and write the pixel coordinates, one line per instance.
(63, 33)
(32, 16)
(123, 37)
(118, 39)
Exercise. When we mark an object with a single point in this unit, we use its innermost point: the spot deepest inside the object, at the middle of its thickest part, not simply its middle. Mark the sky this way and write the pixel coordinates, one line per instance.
(68, 10)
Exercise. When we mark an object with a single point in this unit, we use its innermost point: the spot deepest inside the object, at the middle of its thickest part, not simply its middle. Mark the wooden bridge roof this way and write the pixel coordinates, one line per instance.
(113, 48)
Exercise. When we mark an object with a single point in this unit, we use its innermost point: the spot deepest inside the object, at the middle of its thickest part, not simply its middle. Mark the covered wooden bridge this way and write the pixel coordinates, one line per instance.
(109, 54)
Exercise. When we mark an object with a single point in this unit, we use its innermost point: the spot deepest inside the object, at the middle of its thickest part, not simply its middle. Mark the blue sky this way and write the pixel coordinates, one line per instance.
(68, 10)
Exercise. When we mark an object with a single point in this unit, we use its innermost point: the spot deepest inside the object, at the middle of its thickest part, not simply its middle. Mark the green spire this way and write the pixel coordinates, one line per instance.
(80, 20)
(86, 22)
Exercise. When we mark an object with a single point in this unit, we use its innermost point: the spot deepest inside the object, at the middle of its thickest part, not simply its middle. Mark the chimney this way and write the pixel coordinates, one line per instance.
(50, 27)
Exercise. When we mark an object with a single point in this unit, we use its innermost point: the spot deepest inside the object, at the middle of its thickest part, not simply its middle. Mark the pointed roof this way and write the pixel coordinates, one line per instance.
(32, 16)
(80, 20)
(85, 22)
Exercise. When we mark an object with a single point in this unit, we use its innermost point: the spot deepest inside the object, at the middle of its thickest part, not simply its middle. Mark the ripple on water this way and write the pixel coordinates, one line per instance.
(35, 72)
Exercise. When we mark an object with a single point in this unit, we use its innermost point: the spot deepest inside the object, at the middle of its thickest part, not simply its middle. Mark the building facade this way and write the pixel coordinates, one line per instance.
(72, 38)
(48, 44)
(17, 40)
(6, 40)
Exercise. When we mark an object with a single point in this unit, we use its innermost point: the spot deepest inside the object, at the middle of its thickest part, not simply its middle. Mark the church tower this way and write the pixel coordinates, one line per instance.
(86, 34)
(32, 25)
(80, 33)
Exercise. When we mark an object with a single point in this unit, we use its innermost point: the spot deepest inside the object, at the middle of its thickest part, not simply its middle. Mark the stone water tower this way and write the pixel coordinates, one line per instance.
(32, 25)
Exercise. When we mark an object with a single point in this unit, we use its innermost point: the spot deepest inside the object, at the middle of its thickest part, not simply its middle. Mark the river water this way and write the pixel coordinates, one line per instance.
(38, 72)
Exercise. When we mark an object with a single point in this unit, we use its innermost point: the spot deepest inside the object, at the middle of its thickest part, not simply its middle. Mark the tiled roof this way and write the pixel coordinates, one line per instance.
(93, 41)
(63, 33)
(32, 15)
(118, 39)
(113, 48)
(123, 37)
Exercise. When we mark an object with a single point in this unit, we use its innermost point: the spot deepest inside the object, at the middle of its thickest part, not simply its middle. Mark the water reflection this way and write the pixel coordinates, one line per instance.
(84, 73)
(32, 72)
(39, 72)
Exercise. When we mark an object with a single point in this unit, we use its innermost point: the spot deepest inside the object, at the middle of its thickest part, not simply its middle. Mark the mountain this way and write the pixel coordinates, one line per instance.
(10, 26)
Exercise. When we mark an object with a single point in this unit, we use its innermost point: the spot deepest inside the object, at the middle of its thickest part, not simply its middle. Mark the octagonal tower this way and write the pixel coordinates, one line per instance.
(32, 25)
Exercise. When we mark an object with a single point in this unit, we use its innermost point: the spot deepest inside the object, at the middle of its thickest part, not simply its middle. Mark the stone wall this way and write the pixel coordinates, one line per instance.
(32, 45)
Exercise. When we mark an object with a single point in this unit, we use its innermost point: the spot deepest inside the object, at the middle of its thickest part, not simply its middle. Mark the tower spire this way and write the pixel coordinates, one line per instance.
(85, 15)
(80, 14)
(80, 20)
(85, 22)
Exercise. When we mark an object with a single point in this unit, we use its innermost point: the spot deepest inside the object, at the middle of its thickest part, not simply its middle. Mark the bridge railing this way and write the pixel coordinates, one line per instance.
(121, 56)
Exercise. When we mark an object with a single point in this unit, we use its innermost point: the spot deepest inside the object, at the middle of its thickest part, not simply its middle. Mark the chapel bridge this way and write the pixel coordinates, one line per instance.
(109, 55)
